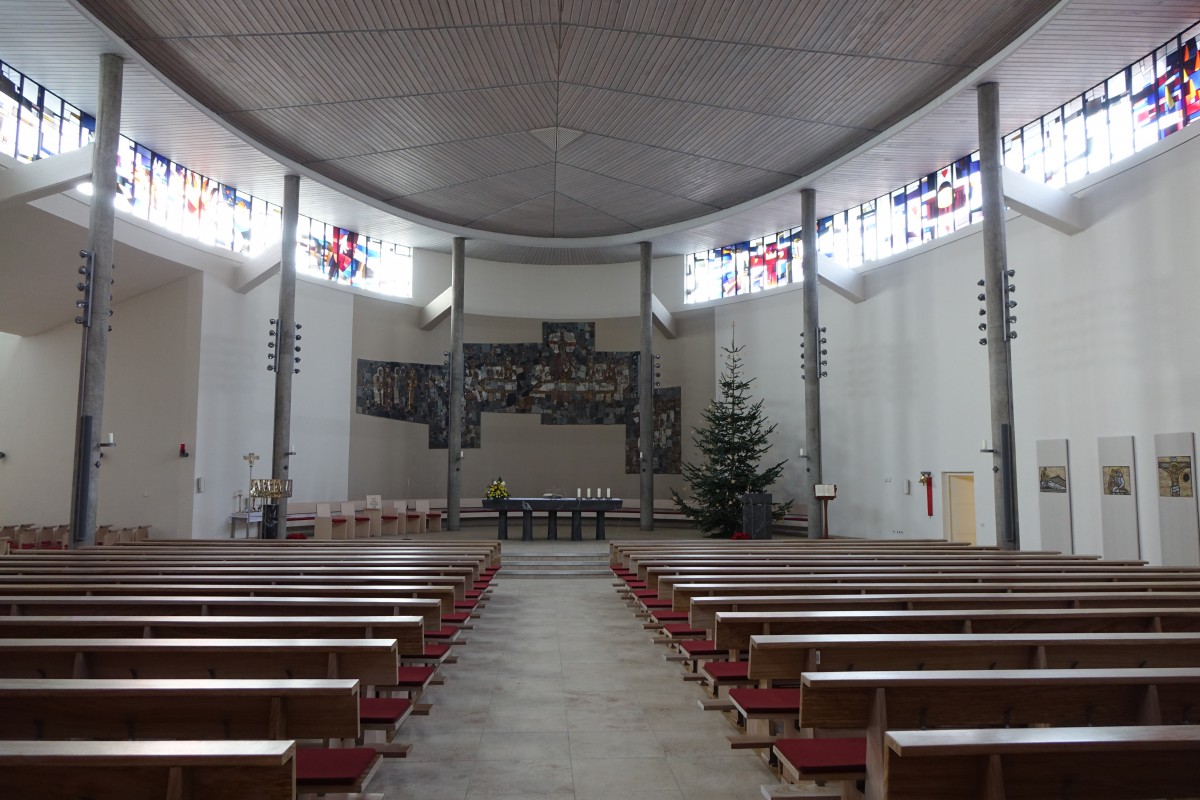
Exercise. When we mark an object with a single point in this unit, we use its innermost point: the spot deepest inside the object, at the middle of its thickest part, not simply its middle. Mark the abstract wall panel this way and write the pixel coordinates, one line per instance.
(563, 379)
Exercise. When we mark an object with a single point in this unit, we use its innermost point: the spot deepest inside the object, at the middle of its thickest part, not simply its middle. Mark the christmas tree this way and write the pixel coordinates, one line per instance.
(733, 439)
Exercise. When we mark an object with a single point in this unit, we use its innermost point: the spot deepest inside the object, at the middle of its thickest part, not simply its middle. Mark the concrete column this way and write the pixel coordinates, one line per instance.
(812, 361)
(646, 394)
(93, 360)
(285, 341)
(995, 277)
(455, 401)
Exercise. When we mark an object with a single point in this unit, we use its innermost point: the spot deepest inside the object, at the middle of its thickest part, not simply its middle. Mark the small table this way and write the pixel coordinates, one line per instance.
(551, 505)
(246, 518)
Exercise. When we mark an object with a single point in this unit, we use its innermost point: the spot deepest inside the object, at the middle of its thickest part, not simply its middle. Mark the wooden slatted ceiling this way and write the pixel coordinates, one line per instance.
(1086, 42)
(395, 102)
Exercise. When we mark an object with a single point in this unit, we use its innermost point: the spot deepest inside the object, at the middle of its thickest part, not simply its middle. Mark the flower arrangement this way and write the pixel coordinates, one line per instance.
(740, 535)
(497, 490)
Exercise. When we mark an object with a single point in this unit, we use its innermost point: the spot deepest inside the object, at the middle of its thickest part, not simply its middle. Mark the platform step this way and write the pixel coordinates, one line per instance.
(510, 572)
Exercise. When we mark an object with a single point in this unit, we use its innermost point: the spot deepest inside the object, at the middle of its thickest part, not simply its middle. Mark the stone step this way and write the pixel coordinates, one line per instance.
(508, 572)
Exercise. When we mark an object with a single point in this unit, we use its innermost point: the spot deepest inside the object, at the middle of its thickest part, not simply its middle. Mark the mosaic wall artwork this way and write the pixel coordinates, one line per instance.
(1116, 479)
(1175, 476)
(562, 379)
(1052, 480)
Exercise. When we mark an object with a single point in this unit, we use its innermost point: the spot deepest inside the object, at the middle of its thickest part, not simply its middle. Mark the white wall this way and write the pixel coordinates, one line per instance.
(1106, 323)
(237, 396)
(149, 406)
(565, 292)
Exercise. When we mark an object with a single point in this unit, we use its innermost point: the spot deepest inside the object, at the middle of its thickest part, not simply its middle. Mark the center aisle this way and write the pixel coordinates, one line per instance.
(560, 694)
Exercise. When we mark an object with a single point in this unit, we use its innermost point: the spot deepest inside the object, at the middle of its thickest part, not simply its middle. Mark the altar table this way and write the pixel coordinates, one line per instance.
(551, 505)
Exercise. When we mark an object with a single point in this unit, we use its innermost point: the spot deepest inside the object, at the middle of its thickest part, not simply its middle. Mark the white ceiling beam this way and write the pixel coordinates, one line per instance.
(1049, 206)
(255, 271)
(844, 281)
(45, 177)
(438, 309)
(663, 319)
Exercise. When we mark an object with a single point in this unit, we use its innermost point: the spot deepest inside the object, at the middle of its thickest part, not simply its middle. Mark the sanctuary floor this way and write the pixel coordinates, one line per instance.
(561, 695)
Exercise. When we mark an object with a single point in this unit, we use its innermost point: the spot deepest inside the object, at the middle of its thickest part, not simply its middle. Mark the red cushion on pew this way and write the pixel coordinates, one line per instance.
(473, 594)
(439, 650)
(635, 585)
(382, 709)
(388, 516)
(444, 632)
(457, 618)
(414, 676)
(683, 629)
(817, 756)
(701, 647)
(656, 603)
(300, 517)
(729, 671)
(767, 701)
(466, 605)
(649, 594)
(332, 765)
(296, 536)
(480, 585)
(662, 615)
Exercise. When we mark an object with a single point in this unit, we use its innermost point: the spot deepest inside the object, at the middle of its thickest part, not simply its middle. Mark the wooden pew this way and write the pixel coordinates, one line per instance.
(785, 658)
(13, 583)
(326, 710)
(174, 770)
(704, 609)
(199, 605)
(407, 631)
(1120, 763)
(878, 702)
(208, 708)
(371, 661)
(323, 569)
(210, 557)
(643, 566)
(213, 593)
(734, 629)
(683, 593)
(491, 547)
(917, 574)
(619, 550)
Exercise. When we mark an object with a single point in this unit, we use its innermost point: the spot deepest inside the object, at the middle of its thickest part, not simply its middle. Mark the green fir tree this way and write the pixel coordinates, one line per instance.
(733, 439)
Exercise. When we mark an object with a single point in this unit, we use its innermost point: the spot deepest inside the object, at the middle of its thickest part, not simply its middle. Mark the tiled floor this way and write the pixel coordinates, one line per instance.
(560, 694)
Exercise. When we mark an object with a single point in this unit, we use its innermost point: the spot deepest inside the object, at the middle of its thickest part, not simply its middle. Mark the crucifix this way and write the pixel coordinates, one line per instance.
(250, 458)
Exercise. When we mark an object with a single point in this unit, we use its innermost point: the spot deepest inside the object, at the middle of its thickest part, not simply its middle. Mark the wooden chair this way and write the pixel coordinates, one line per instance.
(27, 538)
(327, 526)
(428, 520)
(358, 526)
(415, 519)
(391, 521)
